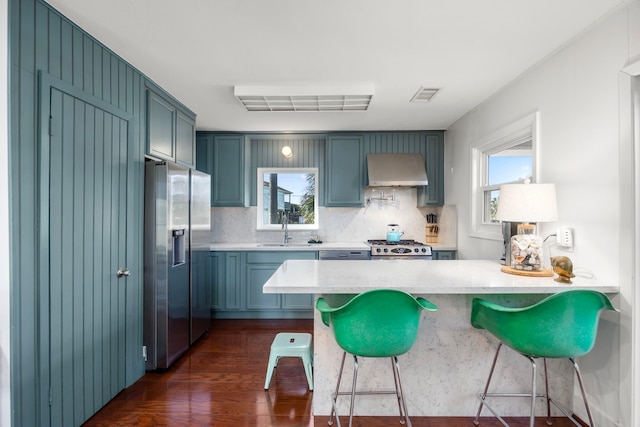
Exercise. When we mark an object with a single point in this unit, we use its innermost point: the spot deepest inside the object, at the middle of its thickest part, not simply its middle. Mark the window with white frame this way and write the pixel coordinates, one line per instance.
(504, 157)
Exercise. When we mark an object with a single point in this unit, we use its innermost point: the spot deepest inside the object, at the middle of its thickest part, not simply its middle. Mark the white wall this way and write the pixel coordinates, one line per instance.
(5, 396)
(576, 91)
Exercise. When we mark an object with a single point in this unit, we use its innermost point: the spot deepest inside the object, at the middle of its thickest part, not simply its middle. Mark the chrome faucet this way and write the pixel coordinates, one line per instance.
(285, 227)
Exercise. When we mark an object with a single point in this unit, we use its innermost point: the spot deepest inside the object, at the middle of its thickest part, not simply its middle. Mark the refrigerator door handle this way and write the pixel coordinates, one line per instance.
(123, 273)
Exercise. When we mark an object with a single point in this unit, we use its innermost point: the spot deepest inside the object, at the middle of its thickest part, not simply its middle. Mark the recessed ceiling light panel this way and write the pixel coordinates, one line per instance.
(425, 94)
(305, 98)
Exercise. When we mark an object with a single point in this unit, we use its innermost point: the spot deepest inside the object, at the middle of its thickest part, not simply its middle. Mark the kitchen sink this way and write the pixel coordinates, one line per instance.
(283, 245)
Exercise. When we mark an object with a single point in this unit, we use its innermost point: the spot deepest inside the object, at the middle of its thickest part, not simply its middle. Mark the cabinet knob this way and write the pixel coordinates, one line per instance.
(120, 273)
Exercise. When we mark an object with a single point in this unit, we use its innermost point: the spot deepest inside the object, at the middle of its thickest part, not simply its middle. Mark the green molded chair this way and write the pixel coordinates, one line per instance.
(563, 325)
(377, 323)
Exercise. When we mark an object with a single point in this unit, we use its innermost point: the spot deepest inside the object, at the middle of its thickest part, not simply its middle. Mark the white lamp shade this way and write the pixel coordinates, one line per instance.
(527, 203)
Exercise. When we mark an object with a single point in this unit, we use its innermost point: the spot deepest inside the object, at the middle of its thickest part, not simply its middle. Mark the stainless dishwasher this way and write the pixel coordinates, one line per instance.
(343, 255)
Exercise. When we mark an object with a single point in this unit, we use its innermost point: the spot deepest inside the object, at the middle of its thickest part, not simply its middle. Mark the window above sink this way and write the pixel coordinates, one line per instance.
(290, 192)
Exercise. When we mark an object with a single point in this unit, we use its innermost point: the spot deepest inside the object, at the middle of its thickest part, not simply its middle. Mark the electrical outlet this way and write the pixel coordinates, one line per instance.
(565, 237)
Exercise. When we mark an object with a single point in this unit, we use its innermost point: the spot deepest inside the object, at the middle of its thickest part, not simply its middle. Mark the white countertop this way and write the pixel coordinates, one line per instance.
(290, 247)
(416, 277)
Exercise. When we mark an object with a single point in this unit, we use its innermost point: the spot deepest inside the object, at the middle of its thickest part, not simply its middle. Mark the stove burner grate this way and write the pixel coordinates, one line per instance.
(401, 242)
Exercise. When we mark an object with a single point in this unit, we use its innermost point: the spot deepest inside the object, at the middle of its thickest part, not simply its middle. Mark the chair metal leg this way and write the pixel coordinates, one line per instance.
(402, 403)
(334, 396)
(399, 392)
(584, 395)
(532, 418)
(353, 389)
(483, 396)
(546, 392)
(533, 395)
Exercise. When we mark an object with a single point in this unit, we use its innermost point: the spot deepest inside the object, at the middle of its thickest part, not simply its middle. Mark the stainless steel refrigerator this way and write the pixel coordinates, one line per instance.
(176, 202)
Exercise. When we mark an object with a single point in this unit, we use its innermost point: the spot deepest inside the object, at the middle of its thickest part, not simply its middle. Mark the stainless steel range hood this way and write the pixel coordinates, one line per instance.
(396, 170)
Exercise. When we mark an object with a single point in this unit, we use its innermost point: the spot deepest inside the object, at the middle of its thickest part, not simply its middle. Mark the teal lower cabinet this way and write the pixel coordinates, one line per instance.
(237, 281)
(444, 255)
(226, 273)
(257, 276)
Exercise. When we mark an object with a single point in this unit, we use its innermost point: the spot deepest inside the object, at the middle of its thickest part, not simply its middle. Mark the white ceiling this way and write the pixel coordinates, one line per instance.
(199, 49)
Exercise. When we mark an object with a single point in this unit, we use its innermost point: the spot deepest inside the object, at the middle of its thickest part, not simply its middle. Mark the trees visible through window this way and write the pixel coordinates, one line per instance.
(505, 157)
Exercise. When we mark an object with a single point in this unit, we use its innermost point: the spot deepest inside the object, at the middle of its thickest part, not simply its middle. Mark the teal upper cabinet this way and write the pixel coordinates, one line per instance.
(185, 138)
(433, 194)
(170, 130)
(344, 181)
(226, 159)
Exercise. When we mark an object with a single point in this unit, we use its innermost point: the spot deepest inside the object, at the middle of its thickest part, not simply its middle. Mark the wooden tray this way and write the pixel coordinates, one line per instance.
(536, 273)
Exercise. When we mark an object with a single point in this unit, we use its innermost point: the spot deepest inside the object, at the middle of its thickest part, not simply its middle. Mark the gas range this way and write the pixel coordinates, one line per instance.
(404, 249)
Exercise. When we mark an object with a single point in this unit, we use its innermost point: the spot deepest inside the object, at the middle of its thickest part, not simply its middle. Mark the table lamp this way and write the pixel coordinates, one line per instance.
(527, 204)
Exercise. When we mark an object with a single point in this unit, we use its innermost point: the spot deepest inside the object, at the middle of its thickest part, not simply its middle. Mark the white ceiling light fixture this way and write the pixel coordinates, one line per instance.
(287, 152)
(305, 98)
(425, 94)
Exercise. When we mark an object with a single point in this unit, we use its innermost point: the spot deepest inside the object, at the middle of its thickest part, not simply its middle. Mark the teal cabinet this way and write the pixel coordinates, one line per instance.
(226, 159)
(237, 281)
(226, 275)
(433, 194)
(200, 293)
(444, 255)
(185, 140)
(170, 130)
(216, 264)
(257, 276)
(232, 161)
(344, 181)
(260, 266)
(160, 127)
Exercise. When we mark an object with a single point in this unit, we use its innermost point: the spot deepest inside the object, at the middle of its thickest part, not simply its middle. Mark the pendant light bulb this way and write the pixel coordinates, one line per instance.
(287, 152)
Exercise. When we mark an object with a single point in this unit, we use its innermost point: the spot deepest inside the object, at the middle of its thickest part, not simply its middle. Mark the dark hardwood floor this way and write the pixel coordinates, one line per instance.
(220, 382)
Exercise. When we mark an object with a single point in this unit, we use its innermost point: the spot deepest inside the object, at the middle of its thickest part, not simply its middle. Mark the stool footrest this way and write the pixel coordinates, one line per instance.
(365, 393)
(562, 409)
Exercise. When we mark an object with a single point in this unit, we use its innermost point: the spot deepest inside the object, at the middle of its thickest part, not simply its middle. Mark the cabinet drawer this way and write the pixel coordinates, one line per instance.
(279, 256)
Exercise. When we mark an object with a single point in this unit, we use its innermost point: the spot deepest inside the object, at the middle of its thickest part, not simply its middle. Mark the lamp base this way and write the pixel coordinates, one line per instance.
(534, 273)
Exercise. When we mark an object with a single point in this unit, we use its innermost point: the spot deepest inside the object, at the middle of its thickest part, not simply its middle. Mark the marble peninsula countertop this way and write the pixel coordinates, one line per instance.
(416, 277)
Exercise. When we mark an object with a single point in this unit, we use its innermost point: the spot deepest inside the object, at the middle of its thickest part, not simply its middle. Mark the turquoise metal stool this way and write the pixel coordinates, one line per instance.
(377, 323)
(289, 344)
(563, 325)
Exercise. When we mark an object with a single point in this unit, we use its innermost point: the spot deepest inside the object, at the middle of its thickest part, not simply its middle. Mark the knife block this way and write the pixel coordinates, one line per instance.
(432, 233)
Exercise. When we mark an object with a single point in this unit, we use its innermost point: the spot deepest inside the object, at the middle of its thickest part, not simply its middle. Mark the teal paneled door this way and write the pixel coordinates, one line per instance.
(83, 242)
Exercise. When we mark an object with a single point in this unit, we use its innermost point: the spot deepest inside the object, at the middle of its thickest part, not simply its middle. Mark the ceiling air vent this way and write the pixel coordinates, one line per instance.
(425, 94)
(305, 98)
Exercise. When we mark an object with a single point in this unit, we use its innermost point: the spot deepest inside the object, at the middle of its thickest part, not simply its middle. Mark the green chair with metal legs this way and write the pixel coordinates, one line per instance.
(563, 325)
(377, 323)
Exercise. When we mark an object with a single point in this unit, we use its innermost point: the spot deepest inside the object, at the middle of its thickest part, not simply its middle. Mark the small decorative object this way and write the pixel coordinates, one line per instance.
(563, 267)
(527, 204)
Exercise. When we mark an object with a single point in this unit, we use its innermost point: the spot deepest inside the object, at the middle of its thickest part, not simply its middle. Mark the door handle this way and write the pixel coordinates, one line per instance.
(120, 273)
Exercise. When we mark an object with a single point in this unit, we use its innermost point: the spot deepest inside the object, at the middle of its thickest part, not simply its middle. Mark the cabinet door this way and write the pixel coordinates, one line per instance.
(185, 140)
(257, 276)
(444, 255)
(160, 127)
(217, 266)
(233, 290)
(297, 301)
(344, 171)
(433, 194)
(229, 183)
(200, 293)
